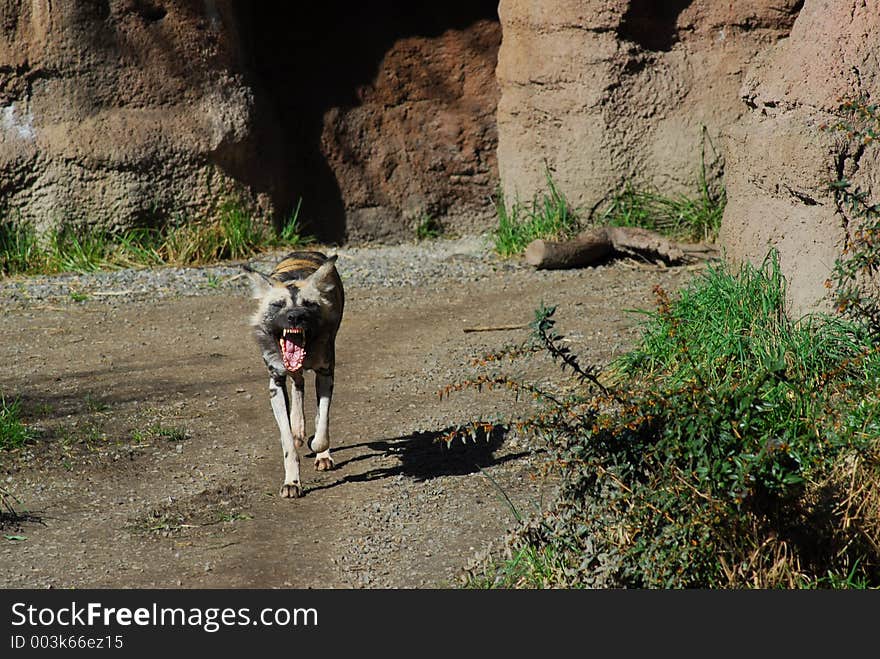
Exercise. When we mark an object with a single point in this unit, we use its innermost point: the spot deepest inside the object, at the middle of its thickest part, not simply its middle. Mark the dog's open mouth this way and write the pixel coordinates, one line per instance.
(293, 348)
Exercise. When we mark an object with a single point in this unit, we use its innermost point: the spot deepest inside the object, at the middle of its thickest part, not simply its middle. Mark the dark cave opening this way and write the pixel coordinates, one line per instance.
(307, 59)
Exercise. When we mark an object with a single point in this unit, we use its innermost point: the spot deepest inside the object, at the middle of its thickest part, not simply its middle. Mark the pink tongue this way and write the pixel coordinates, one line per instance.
(293, 355)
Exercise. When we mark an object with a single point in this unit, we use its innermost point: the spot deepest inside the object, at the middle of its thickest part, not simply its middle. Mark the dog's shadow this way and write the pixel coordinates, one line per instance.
(426, 455)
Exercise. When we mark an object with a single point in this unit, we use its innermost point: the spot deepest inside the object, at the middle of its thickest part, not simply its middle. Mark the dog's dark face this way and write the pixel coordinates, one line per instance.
(297, 316)
(291, 318)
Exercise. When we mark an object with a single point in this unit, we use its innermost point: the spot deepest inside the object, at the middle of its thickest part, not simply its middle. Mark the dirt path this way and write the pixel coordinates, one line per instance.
(158, 462)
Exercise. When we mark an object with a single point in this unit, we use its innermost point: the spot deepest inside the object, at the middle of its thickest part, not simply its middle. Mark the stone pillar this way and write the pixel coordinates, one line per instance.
(606, 91)
(781, 162)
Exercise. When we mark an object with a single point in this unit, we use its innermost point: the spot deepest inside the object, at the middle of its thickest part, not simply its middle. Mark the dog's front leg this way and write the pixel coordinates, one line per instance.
(297, 415)
(292, 487)
(321, 443)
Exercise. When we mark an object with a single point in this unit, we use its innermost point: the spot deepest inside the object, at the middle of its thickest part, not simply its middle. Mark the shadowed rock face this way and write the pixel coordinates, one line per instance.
(780, 162)
(387, 110)
(609, 90)
(125, 112)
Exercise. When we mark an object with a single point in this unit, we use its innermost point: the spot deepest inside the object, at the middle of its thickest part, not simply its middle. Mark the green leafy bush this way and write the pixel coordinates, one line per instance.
(732, 447)
(856, 275)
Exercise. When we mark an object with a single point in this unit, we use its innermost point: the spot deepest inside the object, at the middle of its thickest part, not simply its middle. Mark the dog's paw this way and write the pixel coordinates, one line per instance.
(291, 491)
(324, 464)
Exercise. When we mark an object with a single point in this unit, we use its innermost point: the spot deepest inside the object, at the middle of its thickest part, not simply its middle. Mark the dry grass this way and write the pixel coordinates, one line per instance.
(234, 233)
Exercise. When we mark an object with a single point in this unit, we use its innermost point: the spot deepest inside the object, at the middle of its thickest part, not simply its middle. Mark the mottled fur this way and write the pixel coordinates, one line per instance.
(303, 291)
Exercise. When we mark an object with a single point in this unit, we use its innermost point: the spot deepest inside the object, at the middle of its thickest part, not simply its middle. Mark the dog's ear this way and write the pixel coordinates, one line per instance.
(323, 278)
(260, 283)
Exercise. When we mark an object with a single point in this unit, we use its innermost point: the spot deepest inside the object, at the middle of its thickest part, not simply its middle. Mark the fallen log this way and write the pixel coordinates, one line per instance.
(598, 243)
(583, 249)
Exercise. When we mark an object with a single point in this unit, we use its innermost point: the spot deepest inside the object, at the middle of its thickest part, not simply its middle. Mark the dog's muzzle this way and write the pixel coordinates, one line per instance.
(293, 348)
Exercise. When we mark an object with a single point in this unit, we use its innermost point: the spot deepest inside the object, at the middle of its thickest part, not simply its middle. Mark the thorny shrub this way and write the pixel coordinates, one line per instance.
(733, 447)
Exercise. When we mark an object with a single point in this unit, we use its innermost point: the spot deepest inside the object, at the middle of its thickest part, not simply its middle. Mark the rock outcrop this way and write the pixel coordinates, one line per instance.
(382, 115)
(125, 112)
(603, 91)
(780, 160)
(134, 112)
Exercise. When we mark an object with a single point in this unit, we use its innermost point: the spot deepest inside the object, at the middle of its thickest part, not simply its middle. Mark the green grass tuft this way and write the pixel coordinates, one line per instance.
(18, 247)
(170, 433)
(427, 227)
(528, 568)
(679, 217)
(234, 234)
(77, 249)
(13, 432)
(291, 233)
(548, 216)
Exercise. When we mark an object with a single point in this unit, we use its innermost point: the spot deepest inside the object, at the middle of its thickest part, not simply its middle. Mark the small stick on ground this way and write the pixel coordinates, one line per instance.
(493, 328)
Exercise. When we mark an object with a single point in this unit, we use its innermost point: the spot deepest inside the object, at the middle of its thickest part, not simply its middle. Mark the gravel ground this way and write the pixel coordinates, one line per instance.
(383, 266)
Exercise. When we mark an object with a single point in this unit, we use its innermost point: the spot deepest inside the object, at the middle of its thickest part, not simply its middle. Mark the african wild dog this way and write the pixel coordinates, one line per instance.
(300, 309)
